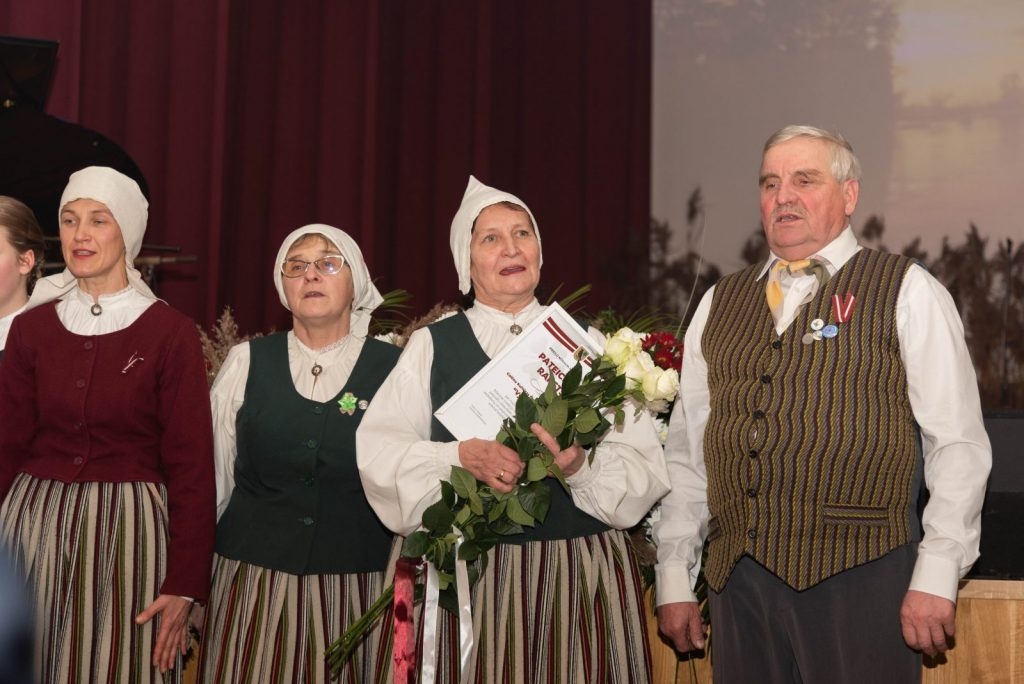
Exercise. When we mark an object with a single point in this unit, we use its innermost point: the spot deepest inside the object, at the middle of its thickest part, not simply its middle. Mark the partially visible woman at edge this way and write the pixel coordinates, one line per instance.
(21, 260)
(106, 452)
(563, 601)
(300, 554)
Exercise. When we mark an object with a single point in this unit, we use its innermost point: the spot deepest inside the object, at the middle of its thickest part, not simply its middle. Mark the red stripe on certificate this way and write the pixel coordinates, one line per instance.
(559, 334)
(567, 342)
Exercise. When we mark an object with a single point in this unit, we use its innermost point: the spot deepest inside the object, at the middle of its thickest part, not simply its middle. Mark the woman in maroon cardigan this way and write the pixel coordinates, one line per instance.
(106, 457)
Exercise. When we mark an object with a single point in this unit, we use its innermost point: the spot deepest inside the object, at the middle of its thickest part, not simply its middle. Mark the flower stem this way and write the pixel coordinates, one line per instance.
(341, 651)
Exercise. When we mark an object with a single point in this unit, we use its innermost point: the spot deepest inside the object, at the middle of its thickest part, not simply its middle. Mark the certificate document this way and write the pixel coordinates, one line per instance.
(544, 349)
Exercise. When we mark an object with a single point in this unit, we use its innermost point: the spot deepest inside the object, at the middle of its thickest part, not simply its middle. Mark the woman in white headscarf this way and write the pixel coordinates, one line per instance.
(299, 554)
(106, 451)
(562, 601)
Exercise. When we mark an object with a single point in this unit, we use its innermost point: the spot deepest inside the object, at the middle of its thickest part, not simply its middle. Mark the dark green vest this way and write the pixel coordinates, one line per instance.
(298, 504)
(457, 358)
(810, 449)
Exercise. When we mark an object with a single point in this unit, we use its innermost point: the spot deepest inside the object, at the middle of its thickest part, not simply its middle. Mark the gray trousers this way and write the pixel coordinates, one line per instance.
(845, 630)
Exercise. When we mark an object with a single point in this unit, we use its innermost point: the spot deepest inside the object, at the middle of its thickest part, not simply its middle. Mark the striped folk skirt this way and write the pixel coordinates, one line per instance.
(264, 626)
(562, 612)
(95, 555)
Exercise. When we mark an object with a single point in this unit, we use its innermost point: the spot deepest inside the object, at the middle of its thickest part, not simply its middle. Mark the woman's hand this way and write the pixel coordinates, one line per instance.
(491, 463)
(197, 620)
(569, 460)
(174, 614)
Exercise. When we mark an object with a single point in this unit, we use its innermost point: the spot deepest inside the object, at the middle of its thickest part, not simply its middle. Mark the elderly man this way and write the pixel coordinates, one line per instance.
(818, 389)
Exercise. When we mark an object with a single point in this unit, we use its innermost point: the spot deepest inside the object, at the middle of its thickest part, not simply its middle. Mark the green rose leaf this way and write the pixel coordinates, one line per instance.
(445, 580)
(463, 483)
(536, 470)
(505, 527)
(516, 513)
(535, 498)
(462, 517)
(438, 517)
(416, 544)
(528, 447)
(555, 417)
(551, 391)
(448, 599)
(616, 387)
(526, 411)
(497, 511)
(586, 420)
(476, 504)
(436, 554)
(448, 494)
(470, 551)
(571, 381)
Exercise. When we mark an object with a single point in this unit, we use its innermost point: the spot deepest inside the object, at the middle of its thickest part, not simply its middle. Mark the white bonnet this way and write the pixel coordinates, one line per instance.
(365, 297)
(129, 207)
(477, 198)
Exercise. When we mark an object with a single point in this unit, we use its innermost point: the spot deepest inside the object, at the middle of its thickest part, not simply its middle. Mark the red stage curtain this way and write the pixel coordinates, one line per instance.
(250, 119)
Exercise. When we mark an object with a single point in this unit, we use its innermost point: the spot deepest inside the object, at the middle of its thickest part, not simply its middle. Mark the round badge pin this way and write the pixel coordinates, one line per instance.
(817, 335)
(808, 338)
(830, 331)
(817, 324)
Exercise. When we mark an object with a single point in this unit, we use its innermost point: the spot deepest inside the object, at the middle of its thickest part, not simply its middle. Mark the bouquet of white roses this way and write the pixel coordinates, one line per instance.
(471, 518)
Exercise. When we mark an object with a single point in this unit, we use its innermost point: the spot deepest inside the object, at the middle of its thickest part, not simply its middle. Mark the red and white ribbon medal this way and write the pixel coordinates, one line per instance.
(842, 309)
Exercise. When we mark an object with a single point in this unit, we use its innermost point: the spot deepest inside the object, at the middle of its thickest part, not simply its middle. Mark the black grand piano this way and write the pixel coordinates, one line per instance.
(38, 151)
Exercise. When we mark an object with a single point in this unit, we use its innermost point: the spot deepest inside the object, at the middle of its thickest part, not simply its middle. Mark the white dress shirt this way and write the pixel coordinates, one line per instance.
(945, 403)
(402, 469)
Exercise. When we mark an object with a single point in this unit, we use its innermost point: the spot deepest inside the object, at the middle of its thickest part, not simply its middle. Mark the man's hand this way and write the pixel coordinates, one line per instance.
(928, 622)
(682, 625)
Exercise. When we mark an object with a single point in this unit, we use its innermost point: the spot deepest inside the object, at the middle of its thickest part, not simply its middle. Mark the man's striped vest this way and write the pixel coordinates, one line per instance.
(811, 449)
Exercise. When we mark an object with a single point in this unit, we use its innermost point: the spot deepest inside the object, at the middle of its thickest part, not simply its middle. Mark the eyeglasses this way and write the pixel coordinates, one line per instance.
(326, 265)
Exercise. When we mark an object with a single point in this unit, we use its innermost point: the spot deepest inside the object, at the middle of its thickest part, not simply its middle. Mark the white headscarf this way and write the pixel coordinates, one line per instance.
(477, 198)
(122, 196)
(365, 297)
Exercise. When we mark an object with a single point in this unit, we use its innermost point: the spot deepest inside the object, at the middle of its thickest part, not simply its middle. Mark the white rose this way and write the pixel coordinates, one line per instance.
(660, 384)
(636, 369)
(622, 346)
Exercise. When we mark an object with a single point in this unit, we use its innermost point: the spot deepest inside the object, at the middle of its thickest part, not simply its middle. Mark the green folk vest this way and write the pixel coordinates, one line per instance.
(457, 358)
(298, 504)
(810, 449)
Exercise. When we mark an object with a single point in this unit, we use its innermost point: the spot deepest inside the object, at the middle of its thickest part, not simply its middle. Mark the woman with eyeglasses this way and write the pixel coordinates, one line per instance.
(300, 554)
